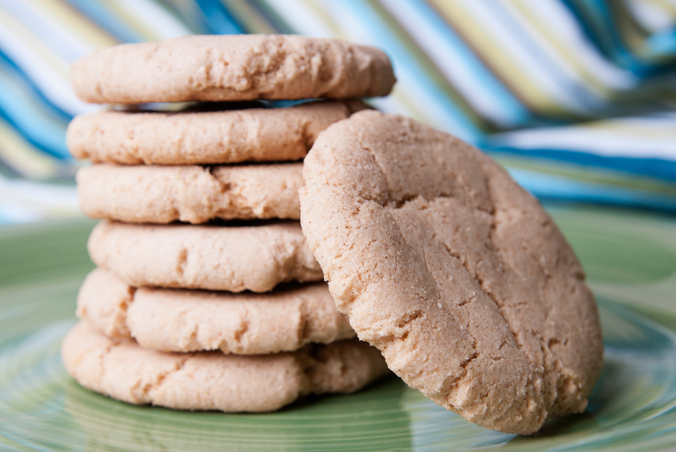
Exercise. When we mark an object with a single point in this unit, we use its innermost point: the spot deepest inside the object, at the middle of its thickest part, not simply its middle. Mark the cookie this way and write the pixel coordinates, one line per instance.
(212, 380)
(230, 68)
(255, 258)
(452, 270)
(192, 194)
(206, 137)
(193, 320)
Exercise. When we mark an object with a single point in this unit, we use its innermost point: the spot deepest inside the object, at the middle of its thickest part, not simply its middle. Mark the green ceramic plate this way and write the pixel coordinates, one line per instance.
(631, 262)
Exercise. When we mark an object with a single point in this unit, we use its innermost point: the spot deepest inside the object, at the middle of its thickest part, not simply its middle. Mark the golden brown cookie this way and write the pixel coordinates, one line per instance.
(193, 194)
(203, 137)
(234, 67)
(212, 380)
(256, 257)
(452, 270)
(195, 320)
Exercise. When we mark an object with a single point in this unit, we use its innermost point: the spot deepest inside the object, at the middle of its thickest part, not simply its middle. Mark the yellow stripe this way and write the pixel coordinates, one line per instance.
(485, 47)
(46, 56)
(23, 157)
(322, 13)
(564, 51)
(76, 23)
(247, 15)
(127, 17)
(630, 129)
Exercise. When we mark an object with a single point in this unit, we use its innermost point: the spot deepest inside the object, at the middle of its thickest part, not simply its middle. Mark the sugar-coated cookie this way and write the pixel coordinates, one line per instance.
(212, 380)
(234, 67)
(195, 320)
(190, 193)
(452, 270)
(256, 257)
(203, 137)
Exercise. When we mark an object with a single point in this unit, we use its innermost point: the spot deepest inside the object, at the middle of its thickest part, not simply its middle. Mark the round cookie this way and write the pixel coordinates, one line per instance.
(193, 320)
(255, 258)
(229, 68)
(192, 194)
(452, 270)
(203, 137)
(212, 380)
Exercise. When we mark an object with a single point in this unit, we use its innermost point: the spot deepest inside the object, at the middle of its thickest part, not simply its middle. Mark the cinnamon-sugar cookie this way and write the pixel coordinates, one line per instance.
(232, 67)
(232, 258)
(189, 193)
(452, 270)
(212, 380)
(195, 320)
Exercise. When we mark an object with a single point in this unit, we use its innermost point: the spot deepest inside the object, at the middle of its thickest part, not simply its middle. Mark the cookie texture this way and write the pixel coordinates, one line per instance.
(192, 194)
(206, 137)
(255, 258)
(452, 270)
(212, 380)
(235, 67)
(195, 320)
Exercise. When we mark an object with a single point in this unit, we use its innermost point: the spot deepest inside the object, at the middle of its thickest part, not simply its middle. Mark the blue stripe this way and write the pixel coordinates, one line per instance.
(107, 20)
(32, 122)
(647, 166)
(406, 67)
(10, 68)
(596, 19)
(509, 103)
(553, 188)
(579, 92)
(219, 19)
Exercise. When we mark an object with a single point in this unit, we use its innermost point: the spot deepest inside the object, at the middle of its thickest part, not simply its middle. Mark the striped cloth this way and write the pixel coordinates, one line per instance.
(577, 98)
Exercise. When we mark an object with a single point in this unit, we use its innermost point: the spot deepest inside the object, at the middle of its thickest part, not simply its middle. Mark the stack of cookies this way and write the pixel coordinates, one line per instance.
(199, 226)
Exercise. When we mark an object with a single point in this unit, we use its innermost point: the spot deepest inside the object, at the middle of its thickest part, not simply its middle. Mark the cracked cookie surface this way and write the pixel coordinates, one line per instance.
(452, 270)
(189, 193)
(203, 137)
(235, 67)
(212, 380)
(232, 258)
(195, 320)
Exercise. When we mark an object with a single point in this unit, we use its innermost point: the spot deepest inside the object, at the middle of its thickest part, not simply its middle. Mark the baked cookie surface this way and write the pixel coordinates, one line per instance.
(212, 380)
(196, 320)
(189, 193)
(203, 137)
(452, 270)
(229, 68)
(232, 258)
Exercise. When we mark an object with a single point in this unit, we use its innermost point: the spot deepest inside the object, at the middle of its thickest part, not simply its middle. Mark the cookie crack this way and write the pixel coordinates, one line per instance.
(161, 379)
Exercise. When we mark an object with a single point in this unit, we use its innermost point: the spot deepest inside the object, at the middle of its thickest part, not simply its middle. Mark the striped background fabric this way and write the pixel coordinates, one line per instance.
(577, 98)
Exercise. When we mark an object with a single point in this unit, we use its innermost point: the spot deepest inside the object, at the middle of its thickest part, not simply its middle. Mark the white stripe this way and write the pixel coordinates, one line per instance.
(650, 15)
(301, 18)
(154, 17)
(449, 62)
(51, 83)
(24, 201)
(605, 142)
(559, 21)
(51, 32)
(491, 25)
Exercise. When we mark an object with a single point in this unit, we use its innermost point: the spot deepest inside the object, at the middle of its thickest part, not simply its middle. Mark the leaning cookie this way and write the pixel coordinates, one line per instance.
(212, 380)
(255, 258)
(192, 194)
(206, 137)
(194, 320)
(452, 270)
(235, 67)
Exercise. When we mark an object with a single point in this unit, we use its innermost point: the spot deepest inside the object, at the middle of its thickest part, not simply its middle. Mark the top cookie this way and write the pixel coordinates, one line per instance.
(234, 67)
(452, 270)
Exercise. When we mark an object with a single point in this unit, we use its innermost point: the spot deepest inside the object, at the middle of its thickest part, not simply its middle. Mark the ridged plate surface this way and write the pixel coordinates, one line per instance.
(630, 259)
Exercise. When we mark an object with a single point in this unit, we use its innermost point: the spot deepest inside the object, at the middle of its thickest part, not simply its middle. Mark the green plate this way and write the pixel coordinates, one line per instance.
(631, 262)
